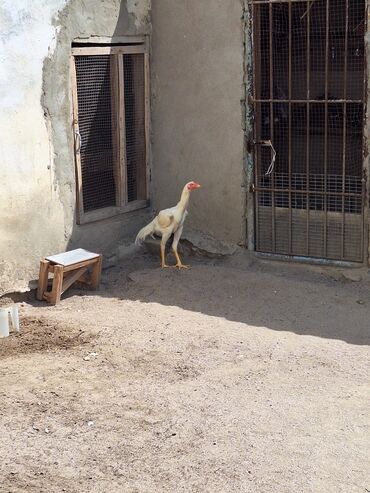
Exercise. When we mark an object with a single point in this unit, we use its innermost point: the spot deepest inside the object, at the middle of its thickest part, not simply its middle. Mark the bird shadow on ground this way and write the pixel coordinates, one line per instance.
(291, 299)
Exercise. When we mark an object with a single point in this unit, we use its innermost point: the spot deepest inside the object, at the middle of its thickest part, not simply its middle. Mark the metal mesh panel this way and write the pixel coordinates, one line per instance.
(95, 126)
(309, 102)
(134, 83)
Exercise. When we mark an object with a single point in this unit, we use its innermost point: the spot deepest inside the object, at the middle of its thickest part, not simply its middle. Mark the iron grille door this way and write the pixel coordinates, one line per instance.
(309, 102)
(111, 125)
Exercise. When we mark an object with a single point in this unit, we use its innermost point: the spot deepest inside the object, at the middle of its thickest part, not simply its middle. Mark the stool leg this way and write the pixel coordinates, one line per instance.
(56, 291)
(96, 273)
(43, 279)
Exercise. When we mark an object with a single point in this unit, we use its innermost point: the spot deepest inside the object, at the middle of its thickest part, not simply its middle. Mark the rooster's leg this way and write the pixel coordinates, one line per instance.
(176, 239)
(179, 264)
(163, 256)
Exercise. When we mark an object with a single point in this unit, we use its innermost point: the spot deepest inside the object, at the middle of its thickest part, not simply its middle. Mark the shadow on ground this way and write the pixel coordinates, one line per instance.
(287, 298)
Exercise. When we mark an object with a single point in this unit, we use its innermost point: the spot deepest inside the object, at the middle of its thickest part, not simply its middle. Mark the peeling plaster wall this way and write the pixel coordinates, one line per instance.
(197, 80)
(37, 199)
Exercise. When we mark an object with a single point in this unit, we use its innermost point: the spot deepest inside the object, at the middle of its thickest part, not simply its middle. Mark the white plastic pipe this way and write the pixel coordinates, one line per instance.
(15, 317)
(4, 322)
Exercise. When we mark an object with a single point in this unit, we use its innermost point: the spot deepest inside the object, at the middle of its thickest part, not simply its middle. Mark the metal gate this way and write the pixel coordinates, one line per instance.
(309, 109)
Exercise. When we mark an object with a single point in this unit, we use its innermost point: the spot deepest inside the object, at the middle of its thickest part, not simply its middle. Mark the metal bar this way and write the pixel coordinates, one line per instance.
(320, 101)
(148, 158)
(344, 129)
(272, 123)
(290, 129)
(309, 192)
(326, 125)
(308, 82)
(256, 73)
(308, 260)
(365, 202)
(264, 2)
(363, 205)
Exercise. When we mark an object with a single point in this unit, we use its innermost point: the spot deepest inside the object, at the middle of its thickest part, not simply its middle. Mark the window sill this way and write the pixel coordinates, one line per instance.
(107, 212)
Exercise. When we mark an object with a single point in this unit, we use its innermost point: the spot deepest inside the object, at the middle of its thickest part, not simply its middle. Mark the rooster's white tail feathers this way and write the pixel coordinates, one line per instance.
(144, 232)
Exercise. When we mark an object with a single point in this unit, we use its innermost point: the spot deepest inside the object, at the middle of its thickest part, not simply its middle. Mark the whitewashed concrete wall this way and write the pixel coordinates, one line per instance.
(37, 184)
(197, 80)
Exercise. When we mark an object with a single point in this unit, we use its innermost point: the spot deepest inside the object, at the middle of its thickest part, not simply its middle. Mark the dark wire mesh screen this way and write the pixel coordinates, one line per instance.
(95, 126)
(309, 87)
(134, 84)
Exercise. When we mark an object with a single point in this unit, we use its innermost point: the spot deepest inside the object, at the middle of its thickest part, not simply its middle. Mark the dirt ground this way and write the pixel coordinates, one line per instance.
(249, 377)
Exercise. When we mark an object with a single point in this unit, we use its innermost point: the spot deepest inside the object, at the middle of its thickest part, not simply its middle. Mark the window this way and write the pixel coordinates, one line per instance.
(111, 129)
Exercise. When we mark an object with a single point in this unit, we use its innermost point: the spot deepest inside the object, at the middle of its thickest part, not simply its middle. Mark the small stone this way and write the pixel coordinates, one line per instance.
(89, 356)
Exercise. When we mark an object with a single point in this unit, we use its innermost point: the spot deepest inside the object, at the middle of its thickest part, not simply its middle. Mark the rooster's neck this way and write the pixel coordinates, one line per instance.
(184, 200)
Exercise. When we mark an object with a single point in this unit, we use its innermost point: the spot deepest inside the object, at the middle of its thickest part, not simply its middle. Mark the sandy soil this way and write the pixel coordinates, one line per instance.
(224, 378)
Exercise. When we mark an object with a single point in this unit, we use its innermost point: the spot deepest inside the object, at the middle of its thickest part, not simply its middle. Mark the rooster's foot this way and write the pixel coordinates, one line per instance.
(182, 266)
(165, 266)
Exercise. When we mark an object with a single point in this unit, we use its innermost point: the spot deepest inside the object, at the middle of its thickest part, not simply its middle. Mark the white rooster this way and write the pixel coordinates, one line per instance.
(168, 222)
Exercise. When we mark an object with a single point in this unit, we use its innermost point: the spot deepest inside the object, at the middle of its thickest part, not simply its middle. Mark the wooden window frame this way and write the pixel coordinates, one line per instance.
(118, 128)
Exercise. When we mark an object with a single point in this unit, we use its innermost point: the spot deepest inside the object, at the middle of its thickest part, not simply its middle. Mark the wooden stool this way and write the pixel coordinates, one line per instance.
(68, 267)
